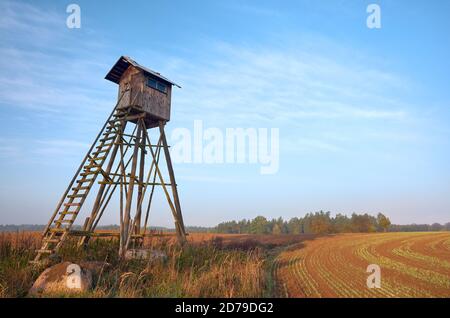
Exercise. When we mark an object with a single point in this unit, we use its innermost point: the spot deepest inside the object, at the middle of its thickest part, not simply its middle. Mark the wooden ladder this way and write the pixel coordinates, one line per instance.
(66, 212)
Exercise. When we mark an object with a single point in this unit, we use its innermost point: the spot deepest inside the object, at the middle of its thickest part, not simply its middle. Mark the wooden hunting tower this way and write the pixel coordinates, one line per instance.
(144, 100)
(145, 90)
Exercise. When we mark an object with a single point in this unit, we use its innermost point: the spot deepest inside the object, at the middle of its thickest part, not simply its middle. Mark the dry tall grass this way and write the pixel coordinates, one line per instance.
(204, 269)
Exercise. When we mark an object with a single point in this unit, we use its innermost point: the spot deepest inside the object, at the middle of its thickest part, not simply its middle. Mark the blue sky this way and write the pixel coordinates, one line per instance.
(363, 114)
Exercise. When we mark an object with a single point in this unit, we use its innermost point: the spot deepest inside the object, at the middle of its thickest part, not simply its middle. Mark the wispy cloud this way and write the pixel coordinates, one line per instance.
(45, 66)
(294, 88)
(51, 77)
(285, 85)
(28, 19)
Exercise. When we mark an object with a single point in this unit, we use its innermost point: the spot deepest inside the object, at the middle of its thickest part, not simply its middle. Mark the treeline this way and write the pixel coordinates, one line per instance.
(111, 227)
(323, 223)
(420, 227)
(21, 227)
(317, 223)
(41, 227)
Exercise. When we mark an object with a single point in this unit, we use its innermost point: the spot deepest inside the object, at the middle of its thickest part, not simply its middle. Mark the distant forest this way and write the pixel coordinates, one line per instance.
(323, 223)
(112, 227)
(312, 223)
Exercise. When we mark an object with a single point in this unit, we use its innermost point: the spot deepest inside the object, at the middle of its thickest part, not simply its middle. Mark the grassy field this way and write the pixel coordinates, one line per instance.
(206, 267)
(212, 265)
(412, 265)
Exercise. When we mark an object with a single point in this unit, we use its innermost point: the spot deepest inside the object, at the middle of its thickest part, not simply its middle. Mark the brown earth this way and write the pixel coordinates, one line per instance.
(412, 265)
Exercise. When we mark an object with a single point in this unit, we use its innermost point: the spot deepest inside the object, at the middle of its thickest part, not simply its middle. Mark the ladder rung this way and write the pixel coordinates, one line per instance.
(51, 240)
(45, 251)
(67, 213)
(97, 152)
(58, 232)
(88, 173)
(57, 229)
(104, 145)
(88, 167)
(97, 158)
(72, 204)
(76, 195)
(63, 221)
(80, 188)
(107, 138)
(85, 180)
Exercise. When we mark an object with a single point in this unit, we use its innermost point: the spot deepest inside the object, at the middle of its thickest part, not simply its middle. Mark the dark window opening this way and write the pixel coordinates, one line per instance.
(162, 87)
(157, 85)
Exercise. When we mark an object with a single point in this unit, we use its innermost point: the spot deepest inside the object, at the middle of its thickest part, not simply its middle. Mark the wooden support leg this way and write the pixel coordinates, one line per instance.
(179, 225)
(152, 191)
(137, 221)
(125, 230)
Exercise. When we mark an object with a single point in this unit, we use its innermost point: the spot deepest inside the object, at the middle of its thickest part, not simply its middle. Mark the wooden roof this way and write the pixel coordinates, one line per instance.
(122, 65)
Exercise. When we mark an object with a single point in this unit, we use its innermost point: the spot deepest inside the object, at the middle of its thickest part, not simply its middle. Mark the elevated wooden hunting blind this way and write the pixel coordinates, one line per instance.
(144, 100)
(144, 89)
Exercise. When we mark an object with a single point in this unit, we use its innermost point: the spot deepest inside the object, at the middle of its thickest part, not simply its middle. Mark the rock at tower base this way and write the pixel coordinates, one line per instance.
(62, 279)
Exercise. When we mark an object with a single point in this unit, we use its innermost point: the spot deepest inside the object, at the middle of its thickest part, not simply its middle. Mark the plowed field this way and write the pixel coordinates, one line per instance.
(412, 265)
